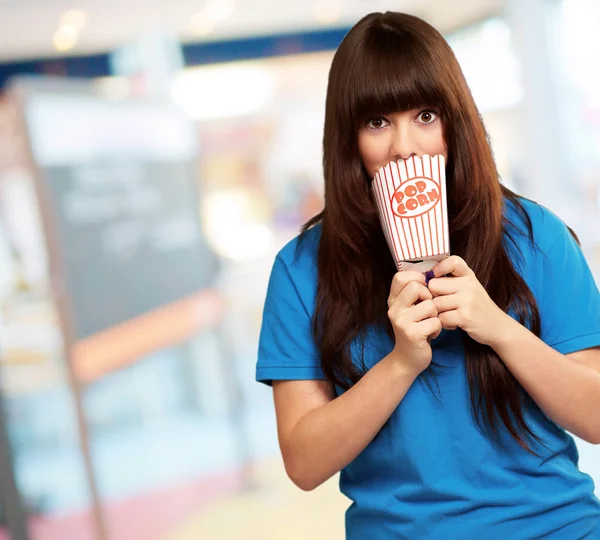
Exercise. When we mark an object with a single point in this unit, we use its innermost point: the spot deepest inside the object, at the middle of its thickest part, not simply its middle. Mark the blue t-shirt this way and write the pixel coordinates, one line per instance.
(430, 473)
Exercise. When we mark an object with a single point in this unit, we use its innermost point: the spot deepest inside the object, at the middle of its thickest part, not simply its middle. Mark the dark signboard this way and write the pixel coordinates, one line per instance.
(120, 190)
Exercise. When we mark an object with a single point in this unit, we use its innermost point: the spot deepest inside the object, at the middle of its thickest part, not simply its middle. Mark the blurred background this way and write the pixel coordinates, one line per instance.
(153, 160)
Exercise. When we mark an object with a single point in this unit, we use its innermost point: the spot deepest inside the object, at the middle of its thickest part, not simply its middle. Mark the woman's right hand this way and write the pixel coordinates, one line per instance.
(414, 318)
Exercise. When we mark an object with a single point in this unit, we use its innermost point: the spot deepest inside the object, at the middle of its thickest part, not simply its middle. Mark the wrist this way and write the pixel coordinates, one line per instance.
(400, 367)
(507, 331)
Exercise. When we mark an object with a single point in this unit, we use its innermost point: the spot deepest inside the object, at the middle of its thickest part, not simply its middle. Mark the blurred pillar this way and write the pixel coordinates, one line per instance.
(545, 162)
(13, 509)
(237, 408)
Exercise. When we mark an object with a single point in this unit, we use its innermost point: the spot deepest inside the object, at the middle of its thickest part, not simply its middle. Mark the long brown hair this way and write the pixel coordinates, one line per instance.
(396, 62)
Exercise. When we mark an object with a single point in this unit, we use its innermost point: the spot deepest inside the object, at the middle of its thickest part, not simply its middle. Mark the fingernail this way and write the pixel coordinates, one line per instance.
(428, 276)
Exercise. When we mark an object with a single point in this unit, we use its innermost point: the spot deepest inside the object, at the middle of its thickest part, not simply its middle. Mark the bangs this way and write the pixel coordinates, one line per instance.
(394, 73)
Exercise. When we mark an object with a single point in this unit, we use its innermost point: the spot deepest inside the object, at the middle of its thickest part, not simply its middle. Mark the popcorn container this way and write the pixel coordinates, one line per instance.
(411, 198)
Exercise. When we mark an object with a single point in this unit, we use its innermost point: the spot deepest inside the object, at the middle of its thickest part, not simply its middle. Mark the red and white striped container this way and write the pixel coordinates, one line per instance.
(411, 197)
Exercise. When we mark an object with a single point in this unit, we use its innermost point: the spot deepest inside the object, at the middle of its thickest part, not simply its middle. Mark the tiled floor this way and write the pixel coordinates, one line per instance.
(277, 510)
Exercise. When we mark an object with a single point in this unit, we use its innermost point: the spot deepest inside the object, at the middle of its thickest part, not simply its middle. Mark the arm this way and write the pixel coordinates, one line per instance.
(320, 434)
(565, 387)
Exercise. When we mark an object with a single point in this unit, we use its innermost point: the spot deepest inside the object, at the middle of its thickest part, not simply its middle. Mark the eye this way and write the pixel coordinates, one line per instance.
(376, 123)
(427, 117)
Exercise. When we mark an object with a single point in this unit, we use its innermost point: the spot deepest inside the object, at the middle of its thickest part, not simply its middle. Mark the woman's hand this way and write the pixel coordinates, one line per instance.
(414, 318)
(462, 302)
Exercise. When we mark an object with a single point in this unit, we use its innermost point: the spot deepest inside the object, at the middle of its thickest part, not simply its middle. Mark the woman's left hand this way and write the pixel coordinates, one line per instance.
(462, 302)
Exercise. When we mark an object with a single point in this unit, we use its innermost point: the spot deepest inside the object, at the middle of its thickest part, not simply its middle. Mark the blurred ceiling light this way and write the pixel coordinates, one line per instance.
(222, 91)
(67, 30)
(219, 10)
(64, 39)
(214, 11)
(75, 18)
(201, 25)
(327, 11)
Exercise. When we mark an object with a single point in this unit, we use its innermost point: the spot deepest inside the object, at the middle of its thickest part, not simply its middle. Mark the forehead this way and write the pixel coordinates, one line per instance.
(393, 94)
(392, 72)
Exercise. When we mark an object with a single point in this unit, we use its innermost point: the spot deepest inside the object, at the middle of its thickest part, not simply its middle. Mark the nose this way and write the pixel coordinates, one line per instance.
(403, 144)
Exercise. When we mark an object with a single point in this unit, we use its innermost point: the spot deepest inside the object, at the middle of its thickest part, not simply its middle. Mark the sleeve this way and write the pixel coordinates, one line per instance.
(570, 301)
(286, 349)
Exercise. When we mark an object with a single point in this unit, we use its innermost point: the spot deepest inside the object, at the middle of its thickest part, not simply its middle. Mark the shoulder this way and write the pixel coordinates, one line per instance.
(547, 228)
(299, 255)
(294, 273)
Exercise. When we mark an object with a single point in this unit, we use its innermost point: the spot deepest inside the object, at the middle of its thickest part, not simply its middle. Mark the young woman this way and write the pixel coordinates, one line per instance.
(444, 401)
